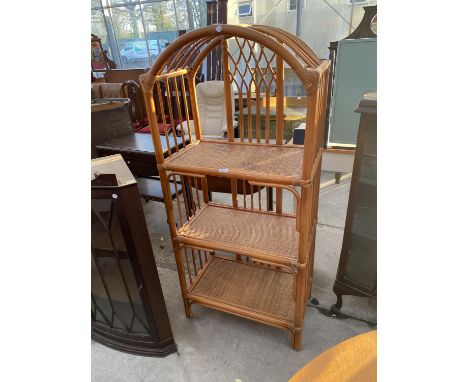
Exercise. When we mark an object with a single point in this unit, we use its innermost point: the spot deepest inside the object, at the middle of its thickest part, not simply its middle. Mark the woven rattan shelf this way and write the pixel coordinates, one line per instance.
(265, 272)
(250, 290)
(280, 163)
(261, 235)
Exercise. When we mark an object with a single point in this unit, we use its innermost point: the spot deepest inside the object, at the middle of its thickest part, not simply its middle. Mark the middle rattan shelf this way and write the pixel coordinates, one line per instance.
(262, 235)
(280, 163)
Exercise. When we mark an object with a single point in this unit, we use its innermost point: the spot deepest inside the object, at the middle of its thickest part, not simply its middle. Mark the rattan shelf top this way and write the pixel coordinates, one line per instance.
(259, 162)
(249, 289)
(265, 236)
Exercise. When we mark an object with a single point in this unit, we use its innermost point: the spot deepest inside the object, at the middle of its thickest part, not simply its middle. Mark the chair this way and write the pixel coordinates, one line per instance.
(211, 109)
(110, 118)
(111, 91)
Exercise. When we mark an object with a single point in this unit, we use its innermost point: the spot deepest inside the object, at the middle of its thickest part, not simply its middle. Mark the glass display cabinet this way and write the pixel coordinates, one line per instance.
(128, 310)
(357, 269)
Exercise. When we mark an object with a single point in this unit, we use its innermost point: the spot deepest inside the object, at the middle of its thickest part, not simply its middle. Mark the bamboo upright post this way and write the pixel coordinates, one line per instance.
(227, 90)
(147, 87)
(194, 103)
(279, 120)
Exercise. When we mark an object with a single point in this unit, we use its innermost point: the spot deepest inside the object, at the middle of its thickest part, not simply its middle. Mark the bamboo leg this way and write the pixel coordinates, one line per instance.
(188, 309)
(235, 204)
(297, 339)
(149, 103)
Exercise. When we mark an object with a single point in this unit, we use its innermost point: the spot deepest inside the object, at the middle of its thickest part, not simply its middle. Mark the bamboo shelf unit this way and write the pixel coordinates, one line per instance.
(241, 257)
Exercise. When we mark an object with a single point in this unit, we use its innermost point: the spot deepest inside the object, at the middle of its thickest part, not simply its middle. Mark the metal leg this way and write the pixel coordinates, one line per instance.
(338, 177)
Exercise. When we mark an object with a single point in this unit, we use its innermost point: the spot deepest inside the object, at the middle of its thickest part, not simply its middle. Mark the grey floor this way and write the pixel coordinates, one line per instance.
(214, 346)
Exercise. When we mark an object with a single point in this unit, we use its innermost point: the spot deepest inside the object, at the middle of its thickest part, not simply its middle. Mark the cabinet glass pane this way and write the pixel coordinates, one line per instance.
(371, 139)
(367, 196)
(365, 222)
(368, 170)
(362, 262)
(115, 297)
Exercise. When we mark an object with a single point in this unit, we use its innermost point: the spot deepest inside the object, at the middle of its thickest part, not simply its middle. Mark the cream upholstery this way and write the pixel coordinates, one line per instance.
(211, 108)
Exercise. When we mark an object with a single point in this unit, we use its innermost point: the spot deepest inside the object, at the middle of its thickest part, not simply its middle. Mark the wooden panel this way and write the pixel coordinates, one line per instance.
(357, 269)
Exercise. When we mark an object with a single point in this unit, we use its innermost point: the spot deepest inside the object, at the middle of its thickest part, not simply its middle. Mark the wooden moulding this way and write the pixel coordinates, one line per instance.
(200, 229)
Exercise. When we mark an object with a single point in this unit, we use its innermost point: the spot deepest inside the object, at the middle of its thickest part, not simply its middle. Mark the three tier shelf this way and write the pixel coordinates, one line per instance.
(241, 257)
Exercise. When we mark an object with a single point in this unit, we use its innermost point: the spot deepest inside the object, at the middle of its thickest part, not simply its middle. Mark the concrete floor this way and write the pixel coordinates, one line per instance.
(214, 346)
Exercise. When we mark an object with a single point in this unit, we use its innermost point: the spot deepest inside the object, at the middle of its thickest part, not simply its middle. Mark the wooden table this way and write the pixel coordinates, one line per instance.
(292, 113)
(138, 153)
(353, 360)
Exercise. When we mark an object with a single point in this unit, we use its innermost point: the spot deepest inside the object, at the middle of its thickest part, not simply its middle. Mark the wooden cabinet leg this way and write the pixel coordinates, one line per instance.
(339, 303)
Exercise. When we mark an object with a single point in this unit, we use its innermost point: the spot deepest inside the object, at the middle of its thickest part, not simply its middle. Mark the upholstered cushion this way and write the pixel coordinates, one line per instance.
(147, 130)
(112, 90)
(211, 109)
(166, 118)
(192, 129)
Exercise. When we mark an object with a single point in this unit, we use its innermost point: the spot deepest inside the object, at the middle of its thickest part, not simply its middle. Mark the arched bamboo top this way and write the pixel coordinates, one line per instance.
(194, 46)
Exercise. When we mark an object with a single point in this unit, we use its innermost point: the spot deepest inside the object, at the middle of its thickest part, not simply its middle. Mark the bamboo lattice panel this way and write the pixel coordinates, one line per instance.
(206, 157)
(244, 232)
(249, 287)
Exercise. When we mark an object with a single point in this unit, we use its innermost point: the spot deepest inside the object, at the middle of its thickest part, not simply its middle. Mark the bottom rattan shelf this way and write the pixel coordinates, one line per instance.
(245, 289)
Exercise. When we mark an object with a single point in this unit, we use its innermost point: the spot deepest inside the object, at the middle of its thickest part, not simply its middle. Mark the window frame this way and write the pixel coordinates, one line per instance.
(295, 10)
(106, 8)
(357, 2)
(244, 3)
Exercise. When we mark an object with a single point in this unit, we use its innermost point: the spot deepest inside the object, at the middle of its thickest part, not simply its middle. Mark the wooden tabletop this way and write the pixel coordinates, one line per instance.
(353, 360)
(289, 111)
(141, 143)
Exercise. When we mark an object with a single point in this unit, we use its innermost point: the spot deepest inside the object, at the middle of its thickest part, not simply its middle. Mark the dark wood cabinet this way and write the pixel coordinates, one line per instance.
(357, 269)
(128, 310)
